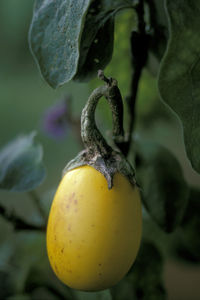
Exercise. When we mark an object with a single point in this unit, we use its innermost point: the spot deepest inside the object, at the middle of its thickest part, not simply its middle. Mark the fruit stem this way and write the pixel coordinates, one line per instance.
(91, 136)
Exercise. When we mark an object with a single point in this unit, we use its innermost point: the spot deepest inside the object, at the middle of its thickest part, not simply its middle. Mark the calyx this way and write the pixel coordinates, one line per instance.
(98, 153)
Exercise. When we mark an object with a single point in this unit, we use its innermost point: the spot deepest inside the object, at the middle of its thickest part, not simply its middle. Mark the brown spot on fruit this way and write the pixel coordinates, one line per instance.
(75, 202)
(62, 250)
(99, 265)
(71, 197)
(100, 274)
(69, 228)
(70, 271)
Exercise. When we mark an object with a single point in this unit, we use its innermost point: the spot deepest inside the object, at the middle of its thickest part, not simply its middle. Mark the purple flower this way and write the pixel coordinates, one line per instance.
(55, 120)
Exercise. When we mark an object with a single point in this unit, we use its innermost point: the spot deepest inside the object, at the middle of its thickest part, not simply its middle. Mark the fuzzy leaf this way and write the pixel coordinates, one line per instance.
(21, 167)
(164, 190)
(158, 22)
(189, 243)
(144, 280)
(73, 39)
(6, 285)
(96, 46)
(54, 37)
(19, 297)
(146, 273)
(103, 295)
(180, 72)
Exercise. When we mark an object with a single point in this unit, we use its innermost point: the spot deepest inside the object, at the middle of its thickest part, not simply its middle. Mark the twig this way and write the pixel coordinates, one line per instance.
(17, 222)
(139, 51)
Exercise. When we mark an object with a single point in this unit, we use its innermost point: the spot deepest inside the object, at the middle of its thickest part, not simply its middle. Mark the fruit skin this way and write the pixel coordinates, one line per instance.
(93, 233)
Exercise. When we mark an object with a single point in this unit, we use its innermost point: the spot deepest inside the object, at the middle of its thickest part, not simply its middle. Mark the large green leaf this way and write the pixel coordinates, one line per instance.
(19, 297)
(103, 295)
(187, 243)
(144, 280)
(164, 190)
(97, 39)
(158, 34)
(21, 167)
(180, 72)
(73, 39)
(54, 37)
(6, 285)
(146, 273)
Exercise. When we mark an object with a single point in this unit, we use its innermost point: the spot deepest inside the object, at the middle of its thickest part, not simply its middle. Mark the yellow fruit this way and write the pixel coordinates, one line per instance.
(93, 233)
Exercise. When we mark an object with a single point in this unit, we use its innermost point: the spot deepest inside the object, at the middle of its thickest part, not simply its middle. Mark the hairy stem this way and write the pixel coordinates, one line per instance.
(91, 136)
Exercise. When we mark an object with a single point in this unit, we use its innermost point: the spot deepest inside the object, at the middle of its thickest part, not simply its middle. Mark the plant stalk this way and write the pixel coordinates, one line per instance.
(139, 51)
(91, 136)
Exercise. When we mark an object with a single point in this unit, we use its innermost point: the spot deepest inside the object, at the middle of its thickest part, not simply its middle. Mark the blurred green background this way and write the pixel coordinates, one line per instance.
(25, 96)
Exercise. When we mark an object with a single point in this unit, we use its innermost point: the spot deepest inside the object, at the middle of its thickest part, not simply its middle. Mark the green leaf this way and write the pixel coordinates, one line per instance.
(146, 273)
(96, 50)
(144, 280)
(123, 290)
(29, 252)
(73, 39)
(33, 257)
(96, 47)
(164, 190)
(54, 37)
(21, 167)
(97, 39)
(187, 243)
(158, 24)
(179, 74)
(158, 34)
(6, 285)
(44, 293)
(20, 297)
(103, 295)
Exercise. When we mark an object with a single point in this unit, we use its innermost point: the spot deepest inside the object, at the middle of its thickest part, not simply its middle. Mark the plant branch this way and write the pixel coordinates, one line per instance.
(17, 222)
(139, 51)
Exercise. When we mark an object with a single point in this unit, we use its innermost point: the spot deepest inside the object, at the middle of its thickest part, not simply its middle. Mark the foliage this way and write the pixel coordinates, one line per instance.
(186, 243)
(61, 30)
(21, 164)
(179, 73)
(144, 280)
(71, 40)
(164, 190)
